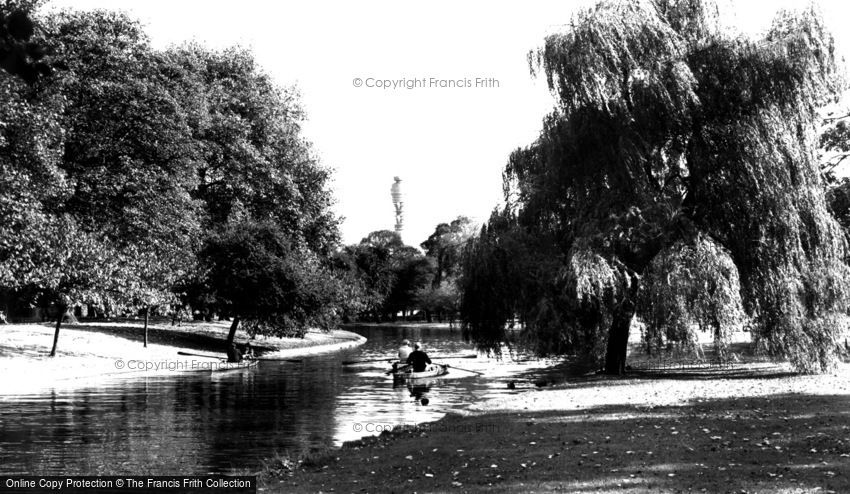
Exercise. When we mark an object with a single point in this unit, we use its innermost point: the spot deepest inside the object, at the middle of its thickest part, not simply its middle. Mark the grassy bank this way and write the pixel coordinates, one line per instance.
(754, 428)
(90, 352)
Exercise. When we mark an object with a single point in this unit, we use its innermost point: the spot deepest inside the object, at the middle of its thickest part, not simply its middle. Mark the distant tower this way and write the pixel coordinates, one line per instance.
(398, 203)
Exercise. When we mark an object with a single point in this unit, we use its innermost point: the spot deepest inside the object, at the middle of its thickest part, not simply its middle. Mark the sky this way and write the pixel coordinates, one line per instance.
(447, 144)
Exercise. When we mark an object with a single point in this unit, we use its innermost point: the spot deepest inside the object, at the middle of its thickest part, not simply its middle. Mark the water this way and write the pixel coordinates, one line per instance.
(230, 422)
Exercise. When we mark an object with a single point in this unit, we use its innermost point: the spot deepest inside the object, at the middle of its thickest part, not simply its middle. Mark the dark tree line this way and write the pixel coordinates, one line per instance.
(136, 179)
(677, 180)
(394, 279)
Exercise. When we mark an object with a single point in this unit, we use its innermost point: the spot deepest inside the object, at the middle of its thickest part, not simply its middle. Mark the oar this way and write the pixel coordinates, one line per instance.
(466, 370)
(352, 362)
(391, 371)
(279, 359)
(453, 356)
(199, 355)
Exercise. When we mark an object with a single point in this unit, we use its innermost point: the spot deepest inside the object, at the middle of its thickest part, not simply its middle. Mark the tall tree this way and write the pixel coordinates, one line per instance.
(445, 246)
(31, 180)
(128, 151)
(373, 258)
(254, 169)
(253, 161)
(412, 272)
(275, 286)
(668, 131)
(118, 168)
(43, 252)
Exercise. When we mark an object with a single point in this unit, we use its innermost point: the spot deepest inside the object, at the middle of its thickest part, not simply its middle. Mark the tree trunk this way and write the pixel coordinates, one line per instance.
(618, 341)
(62, 310)
(618, 335)
(147, 313)
(231, 336)
(6, 313)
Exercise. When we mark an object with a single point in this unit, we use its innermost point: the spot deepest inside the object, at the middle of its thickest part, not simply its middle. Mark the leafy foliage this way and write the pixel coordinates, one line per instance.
(31, 181)
(389, 274)
(127, 150)
(275, 286)
(688, 287)
(254, 163)
(444, 300)
(19, 55)
(834, 145)
(445, 246)
(668, 130)
(128, 176)
(838, 199)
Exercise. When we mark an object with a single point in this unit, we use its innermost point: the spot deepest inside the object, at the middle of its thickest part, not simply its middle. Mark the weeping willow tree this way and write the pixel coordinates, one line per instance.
(677, 176)
(691, 286)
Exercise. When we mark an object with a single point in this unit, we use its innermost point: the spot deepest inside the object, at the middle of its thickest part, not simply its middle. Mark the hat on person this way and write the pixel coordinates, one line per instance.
(405, 342)
(417, 345)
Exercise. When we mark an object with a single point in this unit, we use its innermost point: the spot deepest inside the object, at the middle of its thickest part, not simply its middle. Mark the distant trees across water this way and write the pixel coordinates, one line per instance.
(393, 279)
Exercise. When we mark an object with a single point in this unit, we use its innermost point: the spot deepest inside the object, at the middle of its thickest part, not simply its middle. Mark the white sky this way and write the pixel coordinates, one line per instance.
(448, 145)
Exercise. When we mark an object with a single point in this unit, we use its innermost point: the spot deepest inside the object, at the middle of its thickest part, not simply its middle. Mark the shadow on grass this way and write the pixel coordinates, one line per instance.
(741, 372)
(666, 365)
(780, 443)
(181, 337)
(575, 376)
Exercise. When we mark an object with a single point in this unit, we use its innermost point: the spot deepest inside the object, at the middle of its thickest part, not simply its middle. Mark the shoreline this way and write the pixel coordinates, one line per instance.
(91, 354)
(404, 325)
(755, 427)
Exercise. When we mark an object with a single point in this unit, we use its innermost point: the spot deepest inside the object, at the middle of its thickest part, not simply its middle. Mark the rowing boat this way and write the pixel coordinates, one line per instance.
(433, 370)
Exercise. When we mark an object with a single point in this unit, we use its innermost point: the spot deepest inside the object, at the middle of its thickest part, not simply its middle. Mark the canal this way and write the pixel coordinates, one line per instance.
(229, 422)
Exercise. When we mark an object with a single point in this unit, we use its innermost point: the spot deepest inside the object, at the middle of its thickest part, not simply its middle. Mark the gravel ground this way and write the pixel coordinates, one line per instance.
(738, 429)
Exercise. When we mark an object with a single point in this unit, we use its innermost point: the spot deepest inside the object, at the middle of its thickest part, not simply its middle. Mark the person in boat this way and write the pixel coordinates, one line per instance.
(248, 354)
(418, 359)
(403, 352)
(233, 354)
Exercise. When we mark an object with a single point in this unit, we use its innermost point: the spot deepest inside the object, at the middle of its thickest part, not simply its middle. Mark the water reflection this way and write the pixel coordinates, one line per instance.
(197, 423)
